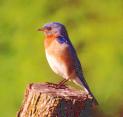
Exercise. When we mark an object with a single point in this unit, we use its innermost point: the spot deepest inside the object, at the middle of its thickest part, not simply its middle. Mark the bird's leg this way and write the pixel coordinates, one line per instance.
(61, 83)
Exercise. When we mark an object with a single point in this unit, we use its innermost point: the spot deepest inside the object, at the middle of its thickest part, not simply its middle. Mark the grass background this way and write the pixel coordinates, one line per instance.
(96, 30)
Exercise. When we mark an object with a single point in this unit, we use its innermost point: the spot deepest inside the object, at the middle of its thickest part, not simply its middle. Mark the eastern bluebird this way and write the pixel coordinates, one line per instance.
(61, 55)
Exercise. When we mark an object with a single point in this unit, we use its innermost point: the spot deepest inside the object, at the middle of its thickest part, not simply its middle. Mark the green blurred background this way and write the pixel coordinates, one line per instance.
(96, 30)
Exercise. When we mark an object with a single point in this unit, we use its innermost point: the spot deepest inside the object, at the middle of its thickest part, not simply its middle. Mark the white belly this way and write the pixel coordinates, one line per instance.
(58, 67)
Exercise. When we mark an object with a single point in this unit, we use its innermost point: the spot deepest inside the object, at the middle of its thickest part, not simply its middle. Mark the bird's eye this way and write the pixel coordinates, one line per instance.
(49, 28)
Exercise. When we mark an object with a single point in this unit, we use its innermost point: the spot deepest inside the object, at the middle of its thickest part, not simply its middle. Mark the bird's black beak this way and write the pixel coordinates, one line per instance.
(41, 29)
(45, 29)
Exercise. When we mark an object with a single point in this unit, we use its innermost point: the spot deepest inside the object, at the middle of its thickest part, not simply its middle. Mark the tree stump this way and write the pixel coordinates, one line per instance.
(45, 100)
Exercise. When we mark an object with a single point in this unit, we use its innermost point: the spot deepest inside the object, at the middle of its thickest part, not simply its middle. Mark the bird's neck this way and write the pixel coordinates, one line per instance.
(48, 40)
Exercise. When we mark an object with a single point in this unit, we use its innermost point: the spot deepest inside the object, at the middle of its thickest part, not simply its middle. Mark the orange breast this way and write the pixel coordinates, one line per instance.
(48, 40)
(62, 55)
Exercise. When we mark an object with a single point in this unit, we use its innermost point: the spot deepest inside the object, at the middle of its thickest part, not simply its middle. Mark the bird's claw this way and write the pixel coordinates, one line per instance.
(56, 86)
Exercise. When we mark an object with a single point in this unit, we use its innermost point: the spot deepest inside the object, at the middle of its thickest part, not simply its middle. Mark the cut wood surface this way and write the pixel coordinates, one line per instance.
(45, 100)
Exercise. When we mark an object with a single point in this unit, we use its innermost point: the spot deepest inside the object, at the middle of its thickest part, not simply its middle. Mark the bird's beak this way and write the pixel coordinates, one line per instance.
(41, 29)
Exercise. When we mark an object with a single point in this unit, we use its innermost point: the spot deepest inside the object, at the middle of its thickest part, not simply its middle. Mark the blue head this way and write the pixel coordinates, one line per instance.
(54, 29)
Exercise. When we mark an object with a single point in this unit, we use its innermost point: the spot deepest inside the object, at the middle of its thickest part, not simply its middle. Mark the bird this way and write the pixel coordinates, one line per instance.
(62, 57)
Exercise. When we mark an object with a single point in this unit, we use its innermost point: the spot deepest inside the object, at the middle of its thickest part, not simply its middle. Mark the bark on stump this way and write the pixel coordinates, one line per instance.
(44, 100)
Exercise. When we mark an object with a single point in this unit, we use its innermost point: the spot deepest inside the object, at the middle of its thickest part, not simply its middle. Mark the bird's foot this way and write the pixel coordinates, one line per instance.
(53, 85)
(56, 86)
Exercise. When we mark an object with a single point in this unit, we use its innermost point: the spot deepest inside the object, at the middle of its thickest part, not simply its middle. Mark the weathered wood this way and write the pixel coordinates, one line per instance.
(45, 100)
